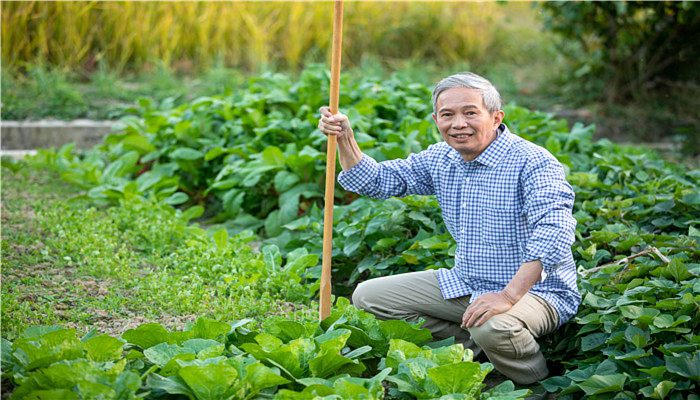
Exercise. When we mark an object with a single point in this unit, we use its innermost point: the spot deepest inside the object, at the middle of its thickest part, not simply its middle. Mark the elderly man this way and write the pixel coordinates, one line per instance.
(508, 206)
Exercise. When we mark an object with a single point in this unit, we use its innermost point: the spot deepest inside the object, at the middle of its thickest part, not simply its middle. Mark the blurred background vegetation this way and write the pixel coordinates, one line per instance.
(629, 67)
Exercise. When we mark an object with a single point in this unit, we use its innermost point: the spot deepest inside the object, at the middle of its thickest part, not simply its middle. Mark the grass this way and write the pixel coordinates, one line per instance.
(50, 92)
(111, 269)
(255, 35)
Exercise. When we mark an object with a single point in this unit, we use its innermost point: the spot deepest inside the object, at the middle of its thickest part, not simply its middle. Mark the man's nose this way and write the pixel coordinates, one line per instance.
(459, 122)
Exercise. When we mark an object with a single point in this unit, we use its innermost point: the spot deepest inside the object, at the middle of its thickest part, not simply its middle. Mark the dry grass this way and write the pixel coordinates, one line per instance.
(194, 35)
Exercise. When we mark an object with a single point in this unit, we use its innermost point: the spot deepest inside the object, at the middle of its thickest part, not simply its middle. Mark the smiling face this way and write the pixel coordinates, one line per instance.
(464, 122)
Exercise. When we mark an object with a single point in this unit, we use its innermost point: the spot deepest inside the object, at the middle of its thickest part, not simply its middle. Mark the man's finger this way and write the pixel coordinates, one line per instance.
(330, 121)
(474, 316)
(485, 317)
(325, 111)
(467, 314)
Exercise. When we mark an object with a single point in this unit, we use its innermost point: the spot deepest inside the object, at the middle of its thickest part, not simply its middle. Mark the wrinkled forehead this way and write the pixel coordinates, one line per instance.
(460, 97)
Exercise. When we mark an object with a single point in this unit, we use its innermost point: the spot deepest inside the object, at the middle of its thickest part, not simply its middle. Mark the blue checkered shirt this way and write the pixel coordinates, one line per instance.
(510, 205)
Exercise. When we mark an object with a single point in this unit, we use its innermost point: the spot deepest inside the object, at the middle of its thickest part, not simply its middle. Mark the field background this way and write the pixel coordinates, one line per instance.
(187, 244)
(78, 59)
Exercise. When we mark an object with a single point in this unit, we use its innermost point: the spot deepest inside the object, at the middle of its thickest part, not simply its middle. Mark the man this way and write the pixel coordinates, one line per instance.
(508, 206)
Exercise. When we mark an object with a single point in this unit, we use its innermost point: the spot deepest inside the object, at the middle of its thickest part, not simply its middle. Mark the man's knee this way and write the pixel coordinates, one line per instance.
(362, 295)
(505, 335)
(491, 335)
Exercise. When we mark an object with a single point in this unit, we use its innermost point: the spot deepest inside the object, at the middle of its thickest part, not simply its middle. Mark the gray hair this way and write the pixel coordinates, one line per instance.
(489, 94)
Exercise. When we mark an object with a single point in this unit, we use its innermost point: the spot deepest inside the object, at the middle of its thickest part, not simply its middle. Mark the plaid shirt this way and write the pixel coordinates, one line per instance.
(510, 205)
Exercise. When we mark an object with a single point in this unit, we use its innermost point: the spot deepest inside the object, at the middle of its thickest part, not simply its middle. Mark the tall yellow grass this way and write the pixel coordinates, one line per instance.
(250, 35)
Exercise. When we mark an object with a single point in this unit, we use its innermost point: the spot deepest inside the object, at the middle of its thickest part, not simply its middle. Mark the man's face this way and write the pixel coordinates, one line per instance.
(465, 123)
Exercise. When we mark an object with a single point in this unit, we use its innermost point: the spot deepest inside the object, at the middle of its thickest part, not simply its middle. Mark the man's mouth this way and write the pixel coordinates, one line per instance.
(461, 135)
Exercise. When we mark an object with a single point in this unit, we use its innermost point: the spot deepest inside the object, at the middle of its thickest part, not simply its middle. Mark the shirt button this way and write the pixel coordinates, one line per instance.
(466, 180)
(464, 204)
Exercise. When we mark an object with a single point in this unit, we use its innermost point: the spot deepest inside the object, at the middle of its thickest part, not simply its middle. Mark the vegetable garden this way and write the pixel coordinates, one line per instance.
(184, 196)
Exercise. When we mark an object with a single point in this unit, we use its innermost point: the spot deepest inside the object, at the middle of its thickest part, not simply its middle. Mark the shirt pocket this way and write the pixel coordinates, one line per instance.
(499, 226)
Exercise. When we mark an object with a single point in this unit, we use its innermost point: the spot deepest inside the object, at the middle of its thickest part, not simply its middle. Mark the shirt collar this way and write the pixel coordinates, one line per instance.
(493, 154)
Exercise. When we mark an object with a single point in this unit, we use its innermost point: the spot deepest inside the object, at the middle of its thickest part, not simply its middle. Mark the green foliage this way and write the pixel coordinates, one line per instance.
(637, 331)
(214, 360)
(44, 92)
(253, 160)
(621, 50)
(65, 260)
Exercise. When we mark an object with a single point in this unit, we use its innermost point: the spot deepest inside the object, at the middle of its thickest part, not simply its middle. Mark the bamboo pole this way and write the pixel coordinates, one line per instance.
(325, 303)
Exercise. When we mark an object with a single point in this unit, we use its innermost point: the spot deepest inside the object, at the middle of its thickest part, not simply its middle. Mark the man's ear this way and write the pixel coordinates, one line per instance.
(498, 118)
(434, 117)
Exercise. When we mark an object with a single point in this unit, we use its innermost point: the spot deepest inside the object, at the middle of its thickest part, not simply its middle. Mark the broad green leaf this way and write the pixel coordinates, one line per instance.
(205, 328)
(138, 142)
(464, 377)
(186, 153)
(639, 337)
(434, 243)
(260, 377)
(556, 383)
(663, 321)
(209, 382)
(401, 350)
(126, 385)
(104, 348)
(678, 270)
(598, 384)
(593, 341)
(176, 198)
(333, 340)
(397, 329)
(451, 354)
(660, 391)
(161, 353)
(48, 348)
(273, 156)
(300, 264)
(286, 330)
(170, 384)
(352, 244)
(684, 365)
(204, 348)
(273, 258)
(147, 335)
(327, 362)
(285, 180)
(213, 153)
(192, 213)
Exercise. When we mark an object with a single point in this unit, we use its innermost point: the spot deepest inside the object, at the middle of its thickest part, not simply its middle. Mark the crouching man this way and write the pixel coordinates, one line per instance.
(508, 206)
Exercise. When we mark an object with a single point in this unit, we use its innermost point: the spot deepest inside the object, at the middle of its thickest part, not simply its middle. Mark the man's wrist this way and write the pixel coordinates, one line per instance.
(509, 296)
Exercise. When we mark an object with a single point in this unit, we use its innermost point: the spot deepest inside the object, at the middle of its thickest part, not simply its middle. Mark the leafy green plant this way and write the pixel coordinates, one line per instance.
(215, 360)
(252, 159)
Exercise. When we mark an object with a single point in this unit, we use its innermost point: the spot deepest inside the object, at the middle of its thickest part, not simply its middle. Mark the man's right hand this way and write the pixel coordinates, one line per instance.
(337, 124)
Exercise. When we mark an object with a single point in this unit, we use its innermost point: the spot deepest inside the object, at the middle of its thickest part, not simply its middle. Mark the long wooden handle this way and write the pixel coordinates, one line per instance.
(325, 304)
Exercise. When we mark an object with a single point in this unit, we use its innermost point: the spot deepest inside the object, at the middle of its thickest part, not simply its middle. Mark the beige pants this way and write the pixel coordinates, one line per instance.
(507, 339)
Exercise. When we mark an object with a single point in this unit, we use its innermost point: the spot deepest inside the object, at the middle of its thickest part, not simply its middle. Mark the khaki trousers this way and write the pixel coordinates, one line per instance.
(507, 339)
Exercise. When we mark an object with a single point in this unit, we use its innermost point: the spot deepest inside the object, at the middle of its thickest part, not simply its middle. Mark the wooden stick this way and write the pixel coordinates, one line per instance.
(626, 260)
(325, 303)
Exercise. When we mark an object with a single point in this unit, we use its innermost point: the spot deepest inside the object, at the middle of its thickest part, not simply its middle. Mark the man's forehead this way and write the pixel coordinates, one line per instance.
(460, 97)
(458, 105)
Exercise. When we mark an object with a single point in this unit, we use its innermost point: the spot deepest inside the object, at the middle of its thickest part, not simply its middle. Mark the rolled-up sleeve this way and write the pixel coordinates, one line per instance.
(549, 200)
(389, 178)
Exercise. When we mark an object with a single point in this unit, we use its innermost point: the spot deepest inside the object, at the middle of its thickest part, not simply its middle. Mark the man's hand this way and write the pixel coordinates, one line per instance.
(337, 124)
(485, 307)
